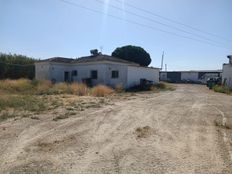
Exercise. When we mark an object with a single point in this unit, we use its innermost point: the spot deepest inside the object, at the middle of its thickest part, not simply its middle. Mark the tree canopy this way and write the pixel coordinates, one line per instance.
(15, 66)
(134, 54)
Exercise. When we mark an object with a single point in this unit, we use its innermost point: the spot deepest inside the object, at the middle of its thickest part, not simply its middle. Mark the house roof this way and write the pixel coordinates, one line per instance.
(88, 59)
(58, 59)
(100, 58)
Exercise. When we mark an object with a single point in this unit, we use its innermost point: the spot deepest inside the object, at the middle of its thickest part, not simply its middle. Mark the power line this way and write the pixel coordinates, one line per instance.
(158, 22)
(139, 24)
(173, 21)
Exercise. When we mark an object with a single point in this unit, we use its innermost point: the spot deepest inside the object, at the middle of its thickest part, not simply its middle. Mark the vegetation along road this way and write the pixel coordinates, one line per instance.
(188, 131)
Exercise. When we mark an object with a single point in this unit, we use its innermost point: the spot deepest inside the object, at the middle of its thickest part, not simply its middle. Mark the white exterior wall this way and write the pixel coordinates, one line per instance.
(227, 74)
(163, 76)
(55, 71)
(193, 76)
(121, 80)
(42, 71)
(128, 75)
(134, 74)
(83, 72)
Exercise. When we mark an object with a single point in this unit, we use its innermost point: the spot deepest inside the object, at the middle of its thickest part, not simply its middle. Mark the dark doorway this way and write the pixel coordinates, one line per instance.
(174, 76)
(66, 76)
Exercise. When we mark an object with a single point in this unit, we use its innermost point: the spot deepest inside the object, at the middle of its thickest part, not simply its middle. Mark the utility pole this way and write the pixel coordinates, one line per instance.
(101, 48)
(162, 61)
(166, 67)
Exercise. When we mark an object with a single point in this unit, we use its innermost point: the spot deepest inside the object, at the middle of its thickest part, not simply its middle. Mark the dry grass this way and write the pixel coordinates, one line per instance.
(164, 86)
(20, 85)
(28, 98)
(102, 91)
(226, 125)
(143, 132)
(47, 88)
(42, 87)
(61, 88)
(79, 89)
(22, 102)
(119, 88)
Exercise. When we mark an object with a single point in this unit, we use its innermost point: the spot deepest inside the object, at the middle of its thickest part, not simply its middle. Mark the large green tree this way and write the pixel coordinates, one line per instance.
(134, 54)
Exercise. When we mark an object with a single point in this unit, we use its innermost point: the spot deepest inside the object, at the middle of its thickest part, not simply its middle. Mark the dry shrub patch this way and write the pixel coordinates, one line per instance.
(43, 87)
(6, 115)
(20, 85)
(143, 132)
(102, 91)
(79, 89)
(22, 102)
(119, 88)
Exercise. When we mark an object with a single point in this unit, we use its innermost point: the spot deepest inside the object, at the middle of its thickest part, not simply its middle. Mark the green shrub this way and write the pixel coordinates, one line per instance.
(222, 89)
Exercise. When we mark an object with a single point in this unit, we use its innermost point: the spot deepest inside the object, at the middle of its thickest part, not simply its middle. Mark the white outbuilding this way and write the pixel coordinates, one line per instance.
(189, 76)
(227, 73)
(95, 70)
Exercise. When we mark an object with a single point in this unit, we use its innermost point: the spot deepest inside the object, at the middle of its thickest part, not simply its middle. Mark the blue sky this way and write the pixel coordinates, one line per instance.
(48, 28)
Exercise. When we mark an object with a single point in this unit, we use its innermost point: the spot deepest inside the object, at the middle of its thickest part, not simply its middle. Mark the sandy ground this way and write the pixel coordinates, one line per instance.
(181, 131)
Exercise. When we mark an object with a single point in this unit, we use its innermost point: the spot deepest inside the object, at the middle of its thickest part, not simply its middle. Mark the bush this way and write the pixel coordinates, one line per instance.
(161, 86)
(20, 85)
(61, 88)
(101, 91)
(222, 89)
(79, 89)
(43, 87)
(119, 88)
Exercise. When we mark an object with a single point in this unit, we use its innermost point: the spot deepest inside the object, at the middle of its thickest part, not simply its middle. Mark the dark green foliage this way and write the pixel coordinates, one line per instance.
(133, 54)
(14, 66)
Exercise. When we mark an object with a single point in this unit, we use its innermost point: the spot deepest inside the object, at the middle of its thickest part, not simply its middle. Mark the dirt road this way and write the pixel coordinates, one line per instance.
(181, 131)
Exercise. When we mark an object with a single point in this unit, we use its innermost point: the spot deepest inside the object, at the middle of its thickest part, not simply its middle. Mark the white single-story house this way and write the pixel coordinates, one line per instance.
(227, 73)
(189, 76)
(95, 70)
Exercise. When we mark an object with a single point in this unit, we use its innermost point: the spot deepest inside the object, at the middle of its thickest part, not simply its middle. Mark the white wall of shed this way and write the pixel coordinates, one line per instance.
(193, 76)
(135, 74)
(42, 71)
(122, 78)
(163, 76)
(227, 74)
(84, 71)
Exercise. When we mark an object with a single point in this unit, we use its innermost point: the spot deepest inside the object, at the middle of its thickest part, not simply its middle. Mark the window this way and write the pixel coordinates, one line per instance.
(74, 73)
(115, 74)
(94, 74)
